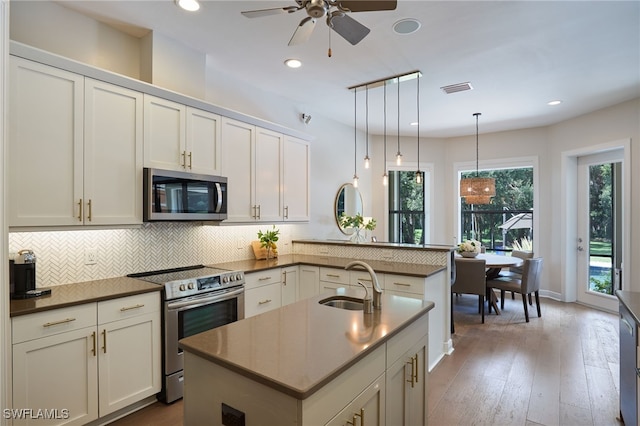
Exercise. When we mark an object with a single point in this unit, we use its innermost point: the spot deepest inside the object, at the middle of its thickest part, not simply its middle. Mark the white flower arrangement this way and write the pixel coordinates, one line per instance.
(469, 246)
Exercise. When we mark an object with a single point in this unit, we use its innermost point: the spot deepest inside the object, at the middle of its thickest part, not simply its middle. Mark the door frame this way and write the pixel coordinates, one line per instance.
(568, 213)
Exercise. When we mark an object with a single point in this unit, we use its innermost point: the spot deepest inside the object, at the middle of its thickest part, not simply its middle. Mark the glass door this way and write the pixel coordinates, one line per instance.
(599, 244)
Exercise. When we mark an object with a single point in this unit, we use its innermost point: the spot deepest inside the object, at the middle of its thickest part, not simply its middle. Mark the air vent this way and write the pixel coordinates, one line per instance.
(454, 88)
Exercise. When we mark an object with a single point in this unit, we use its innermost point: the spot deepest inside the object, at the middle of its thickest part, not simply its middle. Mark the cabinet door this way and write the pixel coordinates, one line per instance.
(368, 409)
(129, 361)
(45, 145)
(58, 372)
(289, 285)
(113, 155)
(308, 282)
(203, 142)
(268, 183)
(238, 164)
(295, 179)
(164, 134)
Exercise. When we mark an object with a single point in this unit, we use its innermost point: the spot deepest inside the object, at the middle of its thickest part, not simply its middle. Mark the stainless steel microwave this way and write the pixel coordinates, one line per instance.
(182, 196)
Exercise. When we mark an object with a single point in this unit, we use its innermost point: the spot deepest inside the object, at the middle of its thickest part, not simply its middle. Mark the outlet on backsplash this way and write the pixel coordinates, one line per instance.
(90, 256)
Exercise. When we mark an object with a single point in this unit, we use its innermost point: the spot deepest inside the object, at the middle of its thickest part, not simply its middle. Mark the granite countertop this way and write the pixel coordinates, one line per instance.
(631, 300)
(79, 293)
(400, 268)
(299, 348)
(432, 247)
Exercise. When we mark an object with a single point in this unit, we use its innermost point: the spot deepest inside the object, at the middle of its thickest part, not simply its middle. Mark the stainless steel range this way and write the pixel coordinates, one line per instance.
(196, 299)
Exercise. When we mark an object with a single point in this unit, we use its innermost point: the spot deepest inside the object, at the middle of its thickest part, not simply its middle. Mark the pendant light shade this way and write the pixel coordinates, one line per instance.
(477, 190)
(367, 160)
(418, 172)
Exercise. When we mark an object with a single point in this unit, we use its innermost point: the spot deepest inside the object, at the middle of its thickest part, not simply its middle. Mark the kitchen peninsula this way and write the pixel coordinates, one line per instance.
(415, 271)
(306, 363)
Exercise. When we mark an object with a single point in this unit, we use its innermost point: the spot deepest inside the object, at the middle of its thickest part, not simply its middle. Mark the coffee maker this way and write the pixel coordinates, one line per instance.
(22, 276)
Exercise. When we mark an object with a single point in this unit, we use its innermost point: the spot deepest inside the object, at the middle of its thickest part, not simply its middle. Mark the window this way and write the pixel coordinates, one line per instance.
(506, 223)
(407, 212)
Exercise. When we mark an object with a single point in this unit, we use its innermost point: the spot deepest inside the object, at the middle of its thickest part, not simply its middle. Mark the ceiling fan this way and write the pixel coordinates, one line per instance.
(335, 12)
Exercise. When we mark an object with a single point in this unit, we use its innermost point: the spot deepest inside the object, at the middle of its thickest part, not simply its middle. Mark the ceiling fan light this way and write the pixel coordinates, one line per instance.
(189, 5)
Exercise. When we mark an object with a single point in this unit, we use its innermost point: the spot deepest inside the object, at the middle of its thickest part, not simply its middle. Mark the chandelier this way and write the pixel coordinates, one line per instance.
(477, 190)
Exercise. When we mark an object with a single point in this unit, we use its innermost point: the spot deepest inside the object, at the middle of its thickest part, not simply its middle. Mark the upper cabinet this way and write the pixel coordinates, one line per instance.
(76, 149)
(268, 174)
(180, 137)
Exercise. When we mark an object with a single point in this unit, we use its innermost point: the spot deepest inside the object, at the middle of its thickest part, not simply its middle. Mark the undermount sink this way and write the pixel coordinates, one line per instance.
(343, 302)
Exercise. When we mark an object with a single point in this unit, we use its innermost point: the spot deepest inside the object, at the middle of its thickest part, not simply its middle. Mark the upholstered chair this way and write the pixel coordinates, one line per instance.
(527, 284)
(470, 279)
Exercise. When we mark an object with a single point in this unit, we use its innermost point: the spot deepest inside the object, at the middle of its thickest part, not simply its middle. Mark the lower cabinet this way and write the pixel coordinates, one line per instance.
(82, 365)
(308, 281)
(263, 291)
(366, 410)
(289, 290)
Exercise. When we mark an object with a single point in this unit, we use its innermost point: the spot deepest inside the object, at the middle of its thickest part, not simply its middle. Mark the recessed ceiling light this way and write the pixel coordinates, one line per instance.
(406, 26)
(415, 123)
(552, 103)
(293, 63)
(190, 5)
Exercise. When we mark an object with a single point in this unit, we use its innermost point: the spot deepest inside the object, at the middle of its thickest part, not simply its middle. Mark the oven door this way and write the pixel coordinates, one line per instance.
(193, 315)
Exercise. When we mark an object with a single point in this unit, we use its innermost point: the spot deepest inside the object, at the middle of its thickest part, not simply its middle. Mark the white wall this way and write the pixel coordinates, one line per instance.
(5, 336)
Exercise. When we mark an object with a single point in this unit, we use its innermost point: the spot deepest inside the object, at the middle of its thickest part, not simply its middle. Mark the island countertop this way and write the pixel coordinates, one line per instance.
(631, 300)
(299, 348)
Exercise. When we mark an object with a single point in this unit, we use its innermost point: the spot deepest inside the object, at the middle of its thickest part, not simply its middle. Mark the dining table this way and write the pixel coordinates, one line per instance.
(494, 264)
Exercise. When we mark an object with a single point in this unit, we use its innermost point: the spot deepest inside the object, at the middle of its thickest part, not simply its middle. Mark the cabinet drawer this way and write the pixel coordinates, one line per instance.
(49, 323)
(364, 278)
(262, 299)
(259, 279)
(399, 343)
(334, 275)
(127, 307)
(404, 283)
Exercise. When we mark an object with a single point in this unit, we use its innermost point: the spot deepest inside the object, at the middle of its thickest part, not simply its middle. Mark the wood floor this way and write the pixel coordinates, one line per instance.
(561, 369)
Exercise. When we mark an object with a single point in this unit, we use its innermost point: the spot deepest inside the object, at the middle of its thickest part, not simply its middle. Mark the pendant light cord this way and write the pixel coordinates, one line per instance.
(385, 127)
(367, 121)
(477, 114)
(398, 115)
(418, 111)
(355, 131)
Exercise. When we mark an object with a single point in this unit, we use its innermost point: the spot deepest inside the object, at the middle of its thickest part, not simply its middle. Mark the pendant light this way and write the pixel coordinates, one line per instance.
(398, 154)
(355, 137)
(385, 177)
(477, 190)
(418, 172)
(367, 160)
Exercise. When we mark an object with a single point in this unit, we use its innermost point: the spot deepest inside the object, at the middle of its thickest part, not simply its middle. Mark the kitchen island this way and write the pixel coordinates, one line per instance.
(307, 363)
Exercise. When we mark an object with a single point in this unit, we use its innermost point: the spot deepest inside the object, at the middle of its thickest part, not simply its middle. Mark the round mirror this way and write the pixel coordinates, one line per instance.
(348, 201)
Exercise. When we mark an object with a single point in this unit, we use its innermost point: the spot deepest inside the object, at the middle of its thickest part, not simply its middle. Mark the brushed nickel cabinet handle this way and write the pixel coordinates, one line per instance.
(264, 278)
(286, 212)
(128, 308)
(183, 163)
(402, 284)
(262, 302)
(89, 216)
(80, 210)
(190, 160)
(333, 275)
(93, 338)
(104, 341)
(64, 321)
(259, 211)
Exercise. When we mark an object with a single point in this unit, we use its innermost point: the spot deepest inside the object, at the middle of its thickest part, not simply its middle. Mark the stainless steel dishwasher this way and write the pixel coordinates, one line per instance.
(628, 367)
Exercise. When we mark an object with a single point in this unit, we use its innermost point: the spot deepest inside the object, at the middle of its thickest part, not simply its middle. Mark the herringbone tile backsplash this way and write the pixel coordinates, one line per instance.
(61, 254)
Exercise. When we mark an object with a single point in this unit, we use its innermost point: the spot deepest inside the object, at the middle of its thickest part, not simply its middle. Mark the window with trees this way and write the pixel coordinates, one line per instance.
(488, 223)
(407, 213)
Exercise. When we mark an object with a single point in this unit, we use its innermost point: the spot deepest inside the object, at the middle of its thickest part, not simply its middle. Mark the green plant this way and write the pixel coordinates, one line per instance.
(357, 222)
(268, 239)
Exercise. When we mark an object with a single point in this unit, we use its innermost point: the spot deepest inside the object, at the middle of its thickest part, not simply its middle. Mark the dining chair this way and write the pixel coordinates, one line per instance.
(470, 279)
(516, 271)
(527, 284)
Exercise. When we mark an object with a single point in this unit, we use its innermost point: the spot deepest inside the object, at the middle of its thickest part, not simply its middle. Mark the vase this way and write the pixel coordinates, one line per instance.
(358, 236)
(468, 254)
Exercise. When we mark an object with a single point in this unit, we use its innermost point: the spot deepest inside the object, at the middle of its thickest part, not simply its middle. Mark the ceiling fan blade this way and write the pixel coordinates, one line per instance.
(303, 31)
(350, 29)
(268, 12)
(367, 6)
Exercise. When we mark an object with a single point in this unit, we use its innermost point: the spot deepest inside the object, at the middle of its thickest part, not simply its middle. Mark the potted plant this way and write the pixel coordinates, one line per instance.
(268, 240)
(357, 223)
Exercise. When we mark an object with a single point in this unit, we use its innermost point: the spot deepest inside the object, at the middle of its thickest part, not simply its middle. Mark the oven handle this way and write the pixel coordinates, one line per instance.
(205, 300)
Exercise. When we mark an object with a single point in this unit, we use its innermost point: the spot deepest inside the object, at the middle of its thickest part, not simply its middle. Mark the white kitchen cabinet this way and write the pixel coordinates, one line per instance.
(179, 137)
(76, 148)
(66, 359)
(295, 178)
(308, 281)
(368, 409)
(333, 278)
(263, 291)
(264, 168)
(290, 284)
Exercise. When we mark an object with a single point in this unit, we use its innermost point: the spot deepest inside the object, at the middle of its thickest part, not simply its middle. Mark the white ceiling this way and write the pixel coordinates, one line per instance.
(517, 55)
